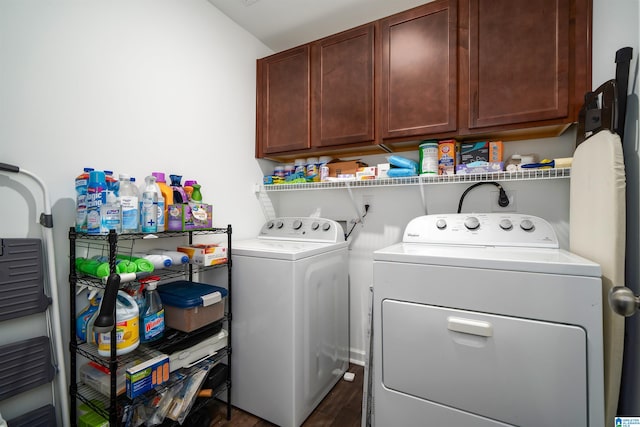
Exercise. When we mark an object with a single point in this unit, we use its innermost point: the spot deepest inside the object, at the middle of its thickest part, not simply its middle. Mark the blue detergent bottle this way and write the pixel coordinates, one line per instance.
(96, 197)
(152, 314)
(82, 182)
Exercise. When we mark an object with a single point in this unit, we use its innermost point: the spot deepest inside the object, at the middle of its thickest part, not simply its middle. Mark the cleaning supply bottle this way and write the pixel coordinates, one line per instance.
(110, 212)
(82, 182)
(84, 316)
(129, 204)
(127, 328)
(165, 199)
(179, 195)
(152, 317)
(113, 185)
(159, 261)
(177, 258)
(188, 188)
(96, 197)
(149, 206)
(196, 195)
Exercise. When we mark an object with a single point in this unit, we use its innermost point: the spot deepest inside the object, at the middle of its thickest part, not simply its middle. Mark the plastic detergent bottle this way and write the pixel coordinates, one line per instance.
(177, 258)
(188, 188)
(164, 200)
(149, 206)
(82, 181)
(142, 265)
(110, 214)
(129, 204)
(113, 185)
(84, 316)
(159, 261)
(179, 195)
(196, 195)
(127, 327)
(96, 197)
(152, 317)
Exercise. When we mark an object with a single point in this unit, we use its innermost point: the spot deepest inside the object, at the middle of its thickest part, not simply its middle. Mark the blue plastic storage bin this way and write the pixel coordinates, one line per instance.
(191, 305)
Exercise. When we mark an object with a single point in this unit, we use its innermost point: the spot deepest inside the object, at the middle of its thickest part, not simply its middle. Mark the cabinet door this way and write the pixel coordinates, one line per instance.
(419, 71)
(283, 102)
(518, 61)
(343, 88)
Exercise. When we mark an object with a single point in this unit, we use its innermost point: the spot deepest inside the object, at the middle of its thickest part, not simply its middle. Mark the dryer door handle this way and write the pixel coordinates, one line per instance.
(469, 326)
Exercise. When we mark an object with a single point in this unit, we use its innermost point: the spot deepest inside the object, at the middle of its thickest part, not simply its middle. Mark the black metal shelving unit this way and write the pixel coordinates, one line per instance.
(112, 407)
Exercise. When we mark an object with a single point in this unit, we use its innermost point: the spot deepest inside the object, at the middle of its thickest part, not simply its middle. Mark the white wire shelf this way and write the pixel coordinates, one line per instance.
(523, 175)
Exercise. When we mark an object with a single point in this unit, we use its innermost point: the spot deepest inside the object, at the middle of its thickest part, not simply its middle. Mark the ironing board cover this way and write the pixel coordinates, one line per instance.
(597, 232)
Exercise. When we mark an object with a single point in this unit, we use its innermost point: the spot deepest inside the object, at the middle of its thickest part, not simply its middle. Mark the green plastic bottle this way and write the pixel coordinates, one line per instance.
(196, 196)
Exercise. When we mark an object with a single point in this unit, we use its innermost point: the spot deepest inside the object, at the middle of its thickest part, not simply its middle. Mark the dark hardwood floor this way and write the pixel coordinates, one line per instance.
(342, 407)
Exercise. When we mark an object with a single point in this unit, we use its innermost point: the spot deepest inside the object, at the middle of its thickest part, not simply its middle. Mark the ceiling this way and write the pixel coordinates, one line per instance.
(282, 24)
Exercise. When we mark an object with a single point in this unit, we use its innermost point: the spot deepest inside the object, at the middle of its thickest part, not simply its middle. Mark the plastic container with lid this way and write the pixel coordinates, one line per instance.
(312, 169)
(428, 164)
(191, 305)
(96, 197)
(323, 168)
(300, 166)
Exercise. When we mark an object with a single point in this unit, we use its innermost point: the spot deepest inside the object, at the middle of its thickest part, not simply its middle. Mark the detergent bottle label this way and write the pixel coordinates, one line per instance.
(153, 326)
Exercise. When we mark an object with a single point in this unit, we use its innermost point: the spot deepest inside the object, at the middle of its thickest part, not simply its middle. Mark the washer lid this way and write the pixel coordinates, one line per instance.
(534, 260)
(283, 249)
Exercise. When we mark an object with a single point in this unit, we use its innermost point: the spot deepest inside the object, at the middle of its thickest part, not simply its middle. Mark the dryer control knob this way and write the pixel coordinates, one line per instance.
(506, 224)
(279, 224)
(314, 225)
(270, 225)
(326, 226)
(441, 224)
(527, 225)
(471, 223)
(297, 224)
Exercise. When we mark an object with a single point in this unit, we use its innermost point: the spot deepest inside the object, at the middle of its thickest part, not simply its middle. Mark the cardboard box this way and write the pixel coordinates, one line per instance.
(367, 172)
(480, 152)
(192, 216)
(205, 254)
(339, 168)
(147, 375)
(383, 168)
(447, 157)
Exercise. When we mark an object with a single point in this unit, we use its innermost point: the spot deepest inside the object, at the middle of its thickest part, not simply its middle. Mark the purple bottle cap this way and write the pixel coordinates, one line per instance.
(190, 182)
(159, 176)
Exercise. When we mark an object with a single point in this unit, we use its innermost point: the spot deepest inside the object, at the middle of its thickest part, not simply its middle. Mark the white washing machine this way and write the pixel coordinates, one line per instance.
(290, 335)
(481, 320)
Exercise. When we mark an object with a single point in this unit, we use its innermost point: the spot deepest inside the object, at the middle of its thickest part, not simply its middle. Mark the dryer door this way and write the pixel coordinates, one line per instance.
(513, 370)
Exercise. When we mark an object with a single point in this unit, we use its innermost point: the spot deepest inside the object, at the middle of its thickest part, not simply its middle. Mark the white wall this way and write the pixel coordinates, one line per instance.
(130, 86)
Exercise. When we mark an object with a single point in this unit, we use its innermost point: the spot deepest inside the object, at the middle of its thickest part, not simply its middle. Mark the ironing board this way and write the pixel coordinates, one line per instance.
(597, 215)
(597, 232)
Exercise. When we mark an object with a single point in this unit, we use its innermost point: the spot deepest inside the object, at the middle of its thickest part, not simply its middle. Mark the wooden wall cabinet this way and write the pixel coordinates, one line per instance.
(318, 95)
(464, 69)
(527, 63)
(284, 102)
(419, 71)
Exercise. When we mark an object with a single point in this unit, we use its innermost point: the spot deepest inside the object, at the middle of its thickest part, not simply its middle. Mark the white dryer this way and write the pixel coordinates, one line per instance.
(481, 320)
(290, 335)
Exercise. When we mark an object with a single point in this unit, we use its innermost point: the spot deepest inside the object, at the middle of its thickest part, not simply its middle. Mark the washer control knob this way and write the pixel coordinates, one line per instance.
(527, 225)
(297, 224)
(279, 224)
(506, 224)
(471, 223)
(270, 225)
(441, 224)
(315, 225)
(326, 226)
